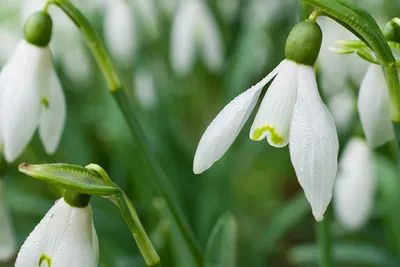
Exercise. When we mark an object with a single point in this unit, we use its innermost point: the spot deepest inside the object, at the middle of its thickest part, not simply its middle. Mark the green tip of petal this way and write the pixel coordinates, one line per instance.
(276, 138)
(45, 258)
(45, 102)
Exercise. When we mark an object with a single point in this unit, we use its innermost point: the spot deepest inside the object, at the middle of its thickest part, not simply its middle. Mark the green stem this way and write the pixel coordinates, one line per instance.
(159, 180)
(324, 242)
(98, 50)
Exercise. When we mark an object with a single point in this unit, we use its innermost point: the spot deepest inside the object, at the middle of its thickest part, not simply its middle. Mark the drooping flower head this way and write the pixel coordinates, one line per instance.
(291, 112)
(37, 99)
(355, 185)
(194, 30)
(64, 237)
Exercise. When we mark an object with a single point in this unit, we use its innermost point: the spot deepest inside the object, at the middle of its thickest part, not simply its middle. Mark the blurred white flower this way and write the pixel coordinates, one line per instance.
(145, 90)
(76, 63)
(64, 237)
(195, 30)
(8, 241)
(291, 112)
(34, 100)
(342, 107)
(120, 30)
(374, 107)
(148, 16)
(336, 69)
(355, 185)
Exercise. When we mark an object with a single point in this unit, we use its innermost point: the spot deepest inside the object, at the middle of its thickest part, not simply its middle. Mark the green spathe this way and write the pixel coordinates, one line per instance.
(38, 29)
(304, 43)
(392, 30)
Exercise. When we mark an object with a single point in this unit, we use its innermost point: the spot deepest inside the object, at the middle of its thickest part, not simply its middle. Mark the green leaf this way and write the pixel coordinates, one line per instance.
(72, 177)
(349, 254)
(221, 245)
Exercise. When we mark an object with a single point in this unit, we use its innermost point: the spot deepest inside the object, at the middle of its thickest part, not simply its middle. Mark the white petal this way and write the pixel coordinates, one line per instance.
(8, 241)
(224, 129)
(275, 114)
(355, 185)
(66, 239)
(52, 117)
(30, 252)
(313, 144)
(183, 38)
(211, 39)
(21, 99)
(119, 30)
(374, 107)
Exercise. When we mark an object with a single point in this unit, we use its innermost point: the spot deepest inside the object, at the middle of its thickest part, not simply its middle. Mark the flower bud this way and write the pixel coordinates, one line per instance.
(392, 30)
(304, 43)
(38, 28)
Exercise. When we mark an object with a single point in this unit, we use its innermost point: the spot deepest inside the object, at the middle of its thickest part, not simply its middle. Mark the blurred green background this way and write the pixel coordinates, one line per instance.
(253, 180)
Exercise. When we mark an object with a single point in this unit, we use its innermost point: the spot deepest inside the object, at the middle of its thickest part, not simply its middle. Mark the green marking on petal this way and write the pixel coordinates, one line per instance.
(44, 258)
(45, 102)
(275, 136)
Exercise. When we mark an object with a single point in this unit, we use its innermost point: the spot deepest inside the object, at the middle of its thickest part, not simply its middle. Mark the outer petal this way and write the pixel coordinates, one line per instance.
(119, 30)
(275, 114)
(212, 47)
(355, 185)
(21, 99)
(65, 237)
(374, 107)
(70, 238)
(8, 242)
(183, 39)
(224, 129)
(52, 117)
(30, 252)
(313, 144)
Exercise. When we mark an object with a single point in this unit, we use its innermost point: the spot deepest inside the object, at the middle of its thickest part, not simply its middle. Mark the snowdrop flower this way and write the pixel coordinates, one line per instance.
(194, 29)
(336, 69)
(355, 185)
(37, 100)
(8, 242)
(374, 107)
(291, 112)
(120, 31)
(64, 237)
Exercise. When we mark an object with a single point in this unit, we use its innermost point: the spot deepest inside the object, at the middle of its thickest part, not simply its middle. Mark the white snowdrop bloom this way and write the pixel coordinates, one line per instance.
(120, 30)
(342, 107)
(291, 112)
(374, 107)
(8, 242)
(195, 30)
(64, 237)
(355, 185)
(337, 69)
(145, 89)
(37, 100)
(148, 16)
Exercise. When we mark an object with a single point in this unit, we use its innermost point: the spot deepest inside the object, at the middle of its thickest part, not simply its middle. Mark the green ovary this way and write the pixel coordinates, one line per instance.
(275, 137)
(43, 259)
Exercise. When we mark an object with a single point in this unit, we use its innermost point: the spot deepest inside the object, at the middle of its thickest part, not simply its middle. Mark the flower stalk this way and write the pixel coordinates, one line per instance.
(158, 178)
